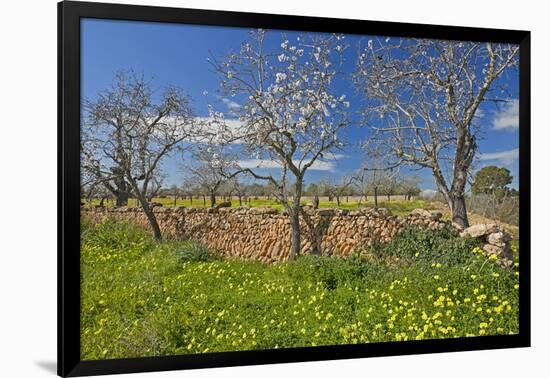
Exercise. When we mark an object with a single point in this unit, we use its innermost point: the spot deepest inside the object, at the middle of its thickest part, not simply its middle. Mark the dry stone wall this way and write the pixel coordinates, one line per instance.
(264, 234)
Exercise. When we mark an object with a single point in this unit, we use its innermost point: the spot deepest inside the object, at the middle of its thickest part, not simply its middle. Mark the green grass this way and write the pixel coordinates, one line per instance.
(141, 298)
(397, 207)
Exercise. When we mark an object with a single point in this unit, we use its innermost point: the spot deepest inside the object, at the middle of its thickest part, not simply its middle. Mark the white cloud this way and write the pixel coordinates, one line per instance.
(507, 117)
(480, 113)
(231, 105)
(270, 164)
(502, 157)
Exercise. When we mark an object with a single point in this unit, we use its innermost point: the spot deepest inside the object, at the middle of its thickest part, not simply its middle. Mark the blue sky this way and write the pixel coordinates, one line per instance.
(175, 54)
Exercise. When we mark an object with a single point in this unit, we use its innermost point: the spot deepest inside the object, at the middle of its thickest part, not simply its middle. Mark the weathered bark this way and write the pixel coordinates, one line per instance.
(120, 191)
(375, 197)
(150, 217)
(454, 198)
(296, 236)
(457, 204)
(121, 198)
(212, 199)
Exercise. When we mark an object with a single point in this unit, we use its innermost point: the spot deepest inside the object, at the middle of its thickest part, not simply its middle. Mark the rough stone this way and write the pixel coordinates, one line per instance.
(421, 213)
(264, 233)
(436, 214)
(478, 230)
(326, 212)
(498, 238)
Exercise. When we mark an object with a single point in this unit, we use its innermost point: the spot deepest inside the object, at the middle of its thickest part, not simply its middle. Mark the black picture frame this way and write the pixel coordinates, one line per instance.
(69, 15)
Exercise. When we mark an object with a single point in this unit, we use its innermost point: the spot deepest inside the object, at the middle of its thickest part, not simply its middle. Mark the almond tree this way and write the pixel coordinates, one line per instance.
(374, 173)
(410, 187)
(336, 188)
(239, 188)
(291, 113)
(213, 166)
(127, 133)
(422, 97)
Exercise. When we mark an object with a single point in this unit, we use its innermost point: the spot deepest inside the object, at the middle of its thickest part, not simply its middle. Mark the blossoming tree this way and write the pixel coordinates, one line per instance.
(213, 165)
(126, 134)
(422, 99)
(291, 115)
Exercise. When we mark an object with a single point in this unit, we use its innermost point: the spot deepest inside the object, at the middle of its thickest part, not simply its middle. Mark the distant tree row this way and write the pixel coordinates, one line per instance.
(366, 184)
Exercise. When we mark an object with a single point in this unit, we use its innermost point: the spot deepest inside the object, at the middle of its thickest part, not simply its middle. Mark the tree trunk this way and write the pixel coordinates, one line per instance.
(120, 192)
(316, 201)
(388, 196)
(375, 197)
(151, 218)
(175, 201)
(296, 236)
(212, 199)
(240, 200)
(338, 200)
(459, 215)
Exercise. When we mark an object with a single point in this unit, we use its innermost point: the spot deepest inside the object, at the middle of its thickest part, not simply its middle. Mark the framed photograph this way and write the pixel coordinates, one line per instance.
(239, 188)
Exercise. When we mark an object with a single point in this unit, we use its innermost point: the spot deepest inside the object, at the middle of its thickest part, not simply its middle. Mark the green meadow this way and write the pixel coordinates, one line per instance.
(147, 298)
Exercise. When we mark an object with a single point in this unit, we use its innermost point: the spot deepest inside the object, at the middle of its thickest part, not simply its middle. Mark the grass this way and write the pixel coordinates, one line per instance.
(397, 207)
(141, 298)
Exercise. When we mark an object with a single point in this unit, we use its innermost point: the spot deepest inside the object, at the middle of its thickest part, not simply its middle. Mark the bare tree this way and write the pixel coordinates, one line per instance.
(239, 188)
(409, 187)
(389, 185)
(190, 188)
(154, 187)
(422, 98)
(175, 192)
(213, 165)
(128, 133)
(374, 173)
(335, 188)
(291, 114)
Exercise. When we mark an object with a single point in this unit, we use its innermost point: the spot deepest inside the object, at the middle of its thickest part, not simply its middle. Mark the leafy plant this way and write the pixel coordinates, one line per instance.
(195, 252)
(414, 244)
